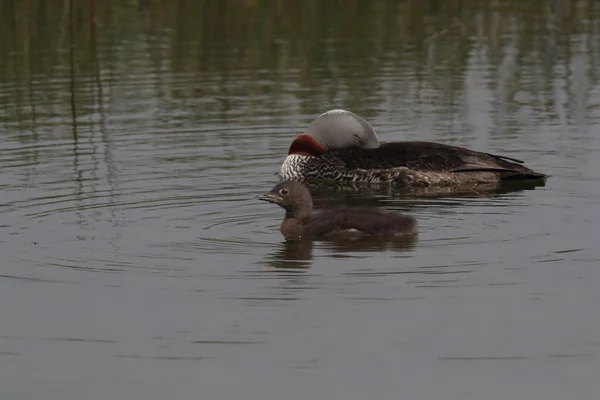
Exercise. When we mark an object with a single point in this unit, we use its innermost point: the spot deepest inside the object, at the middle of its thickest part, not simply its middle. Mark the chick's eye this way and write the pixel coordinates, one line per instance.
(284, 191)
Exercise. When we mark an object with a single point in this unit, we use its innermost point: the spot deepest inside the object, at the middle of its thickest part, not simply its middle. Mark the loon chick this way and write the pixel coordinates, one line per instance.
(342, 146)
(300, 221)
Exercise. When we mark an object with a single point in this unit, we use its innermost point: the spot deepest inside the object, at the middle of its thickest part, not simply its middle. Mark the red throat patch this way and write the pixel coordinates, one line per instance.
(307, 146)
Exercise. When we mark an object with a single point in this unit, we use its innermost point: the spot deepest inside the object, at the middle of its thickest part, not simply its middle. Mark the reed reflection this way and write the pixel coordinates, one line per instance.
(212, 56)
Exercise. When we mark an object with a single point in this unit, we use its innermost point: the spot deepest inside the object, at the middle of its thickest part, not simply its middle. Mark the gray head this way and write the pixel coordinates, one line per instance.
(294, 197)
(333, 130)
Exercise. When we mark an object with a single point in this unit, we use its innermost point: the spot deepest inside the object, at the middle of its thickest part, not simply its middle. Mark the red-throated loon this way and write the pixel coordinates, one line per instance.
(342, 146)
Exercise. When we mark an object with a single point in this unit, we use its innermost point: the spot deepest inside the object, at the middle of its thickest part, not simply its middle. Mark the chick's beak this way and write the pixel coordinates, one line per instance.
(270, 197)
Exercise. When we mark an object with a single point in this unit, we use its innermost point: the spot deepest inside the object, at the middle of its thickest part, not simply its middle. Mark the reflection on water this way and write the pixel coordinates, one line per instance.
(136, 262)
(291, 254)
(189, 66)
(299, 254)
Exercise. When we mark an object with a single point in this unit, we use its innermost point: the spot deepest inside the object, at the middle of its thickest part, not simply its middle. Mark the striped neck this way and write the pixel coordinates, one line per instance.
(293, 167)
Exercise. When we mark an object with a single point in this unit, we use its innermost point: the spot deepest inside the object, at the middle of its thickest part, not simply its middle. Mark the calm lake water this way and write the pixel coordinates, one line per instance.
(135, 262)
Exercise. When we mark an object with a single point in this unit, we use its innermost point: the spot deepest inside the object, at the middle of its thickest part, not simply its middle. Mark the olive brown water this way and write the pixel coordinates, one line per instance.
(135, 262)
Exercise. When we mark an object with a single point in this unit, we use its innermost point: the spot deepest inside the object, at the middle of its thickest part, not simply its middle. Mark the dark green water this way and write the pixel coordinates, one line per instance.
(135, 262)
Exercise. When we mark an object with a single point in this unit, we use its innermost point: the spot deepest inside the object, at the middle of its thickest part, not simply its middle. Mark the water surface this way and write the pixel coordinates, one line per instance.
(135, 262)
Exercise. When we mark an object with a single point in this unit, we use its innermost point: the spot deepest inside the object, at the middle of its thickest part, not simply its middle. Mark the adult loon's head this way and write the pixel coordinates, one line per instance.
(335, 129)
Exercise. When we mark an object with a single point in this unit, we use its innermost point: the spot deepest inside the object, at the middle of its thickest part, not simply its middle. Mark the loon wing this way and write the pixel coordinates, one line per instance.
(369, 221)
(430, 157)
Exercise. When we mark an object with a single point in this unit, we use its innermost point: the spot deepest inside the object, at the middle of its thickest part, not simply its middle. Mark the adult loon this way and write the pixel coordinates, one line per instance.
(345, 222)
(342, 146)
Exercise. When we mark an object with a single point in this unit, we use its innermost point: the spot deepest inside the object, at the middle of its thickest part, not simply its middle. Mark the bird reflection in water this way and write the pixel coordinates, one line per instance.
(294, 254)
